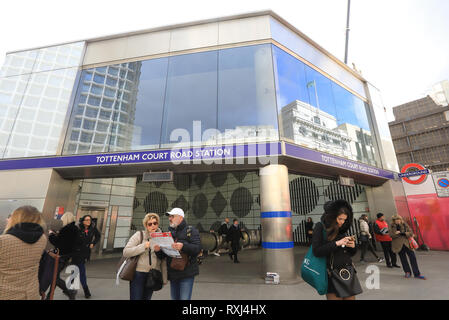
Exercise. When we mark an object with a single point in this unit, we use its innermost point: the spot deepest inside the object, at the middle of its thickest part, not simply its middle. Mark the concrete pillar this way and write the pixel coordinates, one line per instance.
(276, 220)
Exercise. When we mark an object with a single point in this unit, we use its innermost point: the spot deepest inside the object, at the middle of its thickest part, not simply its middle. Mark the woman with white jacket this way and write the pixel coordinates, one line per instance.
(365, 239)
(140, 244)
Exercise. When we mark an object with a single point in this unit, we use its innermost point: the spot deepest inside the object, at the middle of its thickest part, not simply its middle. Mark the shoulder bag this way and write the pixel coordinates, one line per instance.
(154, 279)
(127, 266)
(344, 280)
(313, 270)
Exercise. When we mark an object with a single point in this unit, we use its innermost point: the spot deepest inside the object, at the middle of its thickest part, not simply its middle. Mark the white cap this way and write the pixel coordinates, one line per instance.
(174, 211)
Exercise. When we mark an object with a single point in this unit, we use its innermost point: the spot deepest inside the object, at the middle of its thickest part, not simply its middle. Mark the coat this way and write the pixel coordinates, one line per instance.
(19, 263)
(136, 247)
(322, 247)
(364, 228)
(234, 235)
(191, 246)
(400, 240)
(68, 241)
(88, 236)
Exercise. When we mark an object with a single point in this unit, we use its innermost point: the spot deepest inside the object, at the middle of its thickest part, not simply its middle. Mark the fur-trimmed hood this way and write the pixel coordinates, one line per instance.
(331, 209)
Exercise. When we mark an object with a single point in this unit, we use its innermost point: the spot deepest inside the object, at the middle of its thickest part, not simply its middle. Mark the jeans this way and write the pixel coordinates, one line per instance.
(83, 279)
(181, 289)
(137, 289)
(405, 266)
(388, 253)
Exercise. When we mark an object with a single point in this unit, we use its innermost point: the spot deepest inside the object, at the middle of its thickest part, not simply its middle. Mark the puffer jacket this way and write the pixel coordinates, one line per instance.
(324, 248)
(364, 228)
(401, 239)
(136, 247)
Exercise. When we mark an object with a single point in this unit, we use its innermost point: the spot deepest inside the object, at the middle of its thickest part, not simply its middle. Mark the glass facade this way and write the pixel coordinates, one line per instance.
(35, 90)
(318, 113)
(224, 96)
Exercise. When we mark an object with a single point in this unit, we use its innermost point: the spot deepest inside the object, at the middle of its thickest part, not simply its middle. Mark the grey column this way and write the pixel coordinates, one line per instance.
(276, 219)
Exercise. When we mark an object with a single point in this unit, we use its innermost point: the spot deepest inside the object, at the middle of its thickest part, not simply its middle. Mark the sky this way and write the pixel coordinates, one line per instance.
(400, 46)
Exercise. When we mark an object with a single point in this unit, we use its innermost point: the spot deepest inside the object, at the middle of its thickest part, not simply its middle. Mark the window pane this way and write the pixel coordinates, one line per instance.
(246, 101)
(191, 96)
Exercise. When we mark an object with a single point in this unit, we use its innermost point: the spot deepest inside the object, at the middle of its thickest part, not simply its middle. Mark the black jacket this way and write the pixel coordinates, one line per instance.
(191, 246)
(324, 248)
(234, 235)
(68, 241)
(88, 236)
(224, 230)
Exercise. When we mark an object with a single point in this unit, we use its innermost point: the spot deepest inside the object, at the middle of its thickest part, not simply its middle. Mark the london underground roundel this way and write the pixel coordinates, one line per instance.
(421, 173)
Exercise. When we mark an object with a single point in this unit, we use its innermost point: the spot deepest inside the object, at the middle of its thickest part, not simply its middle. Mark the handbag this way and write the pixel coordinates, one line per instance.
(180, 263)
(344, 280)
(313, 270)
(48, 271)
(154, 279)
(127, 266)
(413, 244)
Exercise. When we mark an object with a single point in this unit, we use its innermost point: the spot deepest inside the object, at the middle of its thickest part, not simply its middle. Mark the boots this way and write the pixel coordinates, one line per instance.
(70, 293)
(87, 294)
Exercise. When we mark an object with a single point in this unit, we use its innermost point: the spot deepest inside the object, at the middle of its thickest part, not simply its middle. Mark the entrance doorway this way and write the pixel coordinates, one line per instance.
(99, 217)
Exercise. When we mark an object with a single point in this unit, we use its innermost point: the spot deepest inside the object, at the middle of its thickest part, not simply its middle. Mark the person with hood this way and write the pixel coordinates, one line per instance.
(21, 247)
(89, 238)
(68, 242)
(400, 233)
(140, 244)
(337, 247)
(365, 239)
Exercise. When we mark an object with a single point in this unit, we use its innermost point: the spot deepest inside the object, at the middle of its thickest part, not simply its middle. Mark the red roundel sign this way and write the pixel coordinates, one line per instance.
(421, 173)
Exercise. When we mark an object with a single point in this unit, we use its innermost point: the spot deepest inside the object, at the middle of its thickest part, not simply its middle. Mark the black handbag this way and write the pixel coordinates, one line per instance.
(154, 279)
(344, 280)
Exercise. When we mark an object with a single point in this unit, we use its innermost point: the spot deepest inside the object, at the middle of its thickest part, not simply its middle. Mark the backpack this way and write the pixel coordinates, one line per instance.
(200, 257)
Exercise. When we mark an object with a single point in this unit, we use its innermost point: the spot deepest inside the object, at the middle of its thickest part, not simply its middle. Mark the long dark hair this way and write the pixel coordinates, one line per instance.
(333, 229)
(81, 224)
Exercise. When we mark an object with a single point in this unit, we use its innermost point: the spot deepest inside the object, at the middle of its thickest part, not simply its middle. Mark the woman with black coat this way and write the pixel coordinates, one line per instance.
(89, 238)
(337, 247)
(68, 241)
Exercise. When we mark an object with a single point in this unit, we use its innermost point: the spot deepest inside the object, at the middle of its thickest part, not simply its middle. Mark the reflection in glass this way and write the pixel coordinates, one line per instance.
(246, 99)
(318, 113)
(191, 96)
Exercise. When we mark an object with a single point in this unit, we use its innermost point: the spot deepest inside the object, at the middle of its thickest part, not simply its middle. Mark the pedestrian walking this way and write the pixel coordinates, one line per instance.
(223, 231)
(400, 233)
(21, 247)
(235, 234)
(309, 230)
(68, 242)
(141, 244)
(338, 248)
(182, 271)
(365, 239)
(382, 236)
(90, 236)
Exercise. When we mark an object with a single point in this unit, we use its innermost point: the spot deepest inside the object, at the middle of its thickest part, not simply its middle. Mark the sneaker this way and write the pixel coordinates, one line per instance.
(420, 277)
(396, 266)
(408, 275)
(380, 260)
(216, 254)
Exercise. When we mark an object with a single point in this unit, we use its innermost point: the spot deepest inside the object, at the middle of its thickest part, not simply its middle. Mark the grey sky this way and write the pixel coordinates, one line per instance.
(401, 46)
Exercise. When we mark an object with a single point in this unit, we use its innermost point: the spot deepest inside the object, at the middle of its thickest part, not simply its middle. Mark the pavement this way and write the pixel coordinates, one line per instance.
(221, 279)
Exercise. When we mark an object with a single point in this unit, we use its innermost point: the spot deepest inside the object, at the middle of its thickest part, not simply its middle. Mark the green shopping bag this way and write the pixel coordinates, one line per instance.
(314, 270)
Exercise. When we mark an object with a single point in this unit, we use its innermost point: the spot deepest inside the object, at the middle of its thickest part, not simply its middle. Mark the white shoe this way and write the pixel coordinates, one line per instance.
(216, 254)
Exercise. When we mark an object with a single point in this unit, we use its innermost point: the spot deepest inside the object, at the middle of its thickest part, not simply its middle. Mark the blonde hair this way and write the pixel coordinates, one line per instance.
(396, 217)
(67, 218)
(148, 217)
(25, 214)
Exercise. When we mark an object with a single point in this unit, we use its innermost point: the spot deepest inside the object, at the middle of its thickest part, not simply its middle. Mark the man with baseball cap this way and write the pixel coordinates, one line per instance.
(188, 243)
(381, 234)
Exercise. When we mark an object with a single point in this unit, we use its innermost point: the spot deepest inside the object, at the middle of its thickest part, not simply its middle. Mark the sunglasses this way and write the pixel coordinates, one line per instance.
(151, 223)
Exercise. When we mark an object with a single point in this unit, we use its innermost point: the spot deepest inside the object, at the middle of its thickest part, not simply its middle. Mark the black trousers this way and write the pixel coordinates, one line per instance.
(405, 266)
(390, 256)
(235, 248)
(364, 245)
